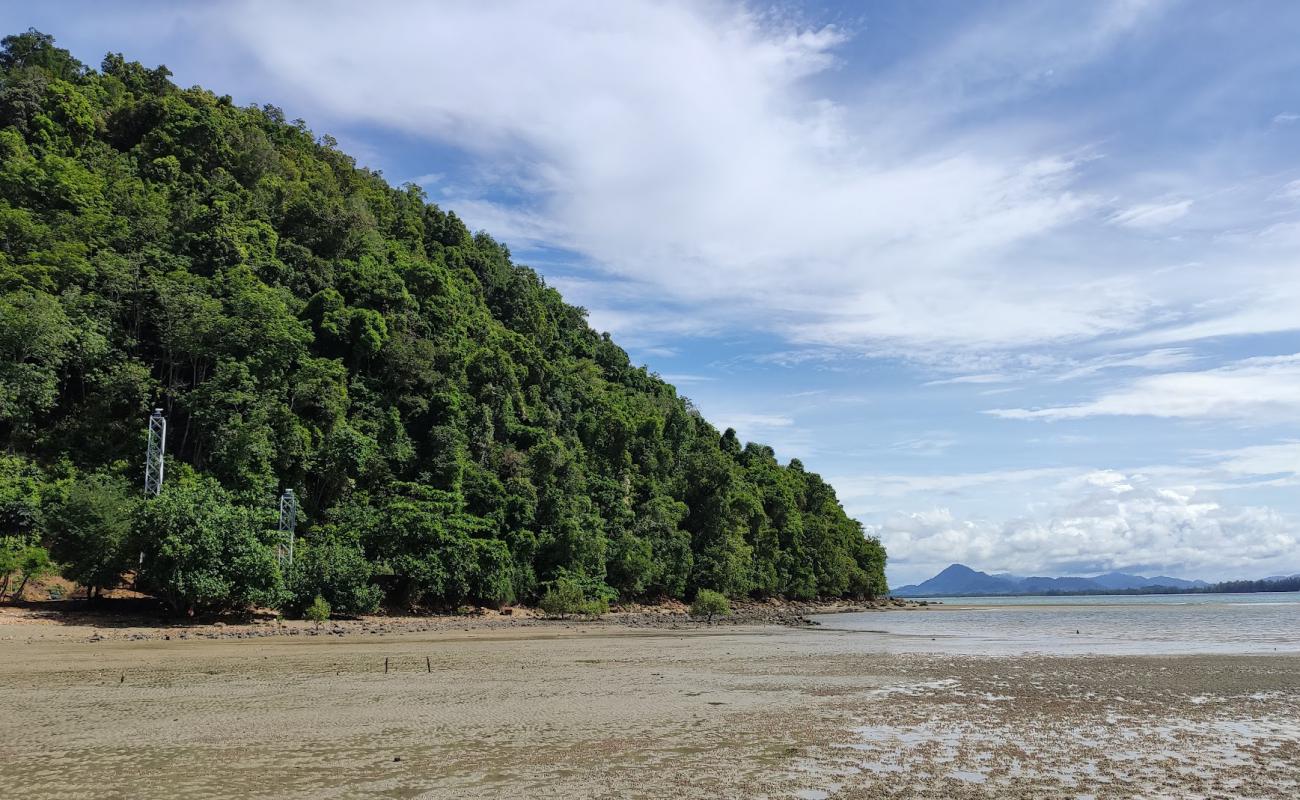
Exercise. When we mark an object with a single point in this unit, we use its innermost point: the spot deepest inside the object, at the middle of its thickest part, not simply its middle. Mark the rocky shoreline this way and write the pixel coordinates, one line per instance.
(99, 625)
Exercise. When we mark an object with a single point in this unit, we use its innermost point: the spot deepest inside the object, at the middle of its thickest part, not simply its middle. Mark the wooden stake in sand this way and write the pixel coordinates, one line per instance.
(385, 665)
(428, 664)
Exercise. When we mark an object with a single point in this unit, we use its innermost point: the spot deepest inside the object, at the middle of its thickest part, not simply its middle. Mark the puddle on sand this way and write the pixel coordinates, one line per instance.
(968, 776)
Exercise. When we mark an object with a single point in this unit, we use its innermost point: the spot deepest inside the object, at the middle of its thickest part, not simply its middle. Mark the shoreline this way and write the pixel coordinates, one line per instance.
(73, 620)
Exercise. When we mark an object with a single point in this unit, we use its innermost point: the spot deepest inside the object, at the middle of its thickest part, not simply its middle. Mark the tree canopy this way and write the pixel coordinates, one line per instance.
(456, 431)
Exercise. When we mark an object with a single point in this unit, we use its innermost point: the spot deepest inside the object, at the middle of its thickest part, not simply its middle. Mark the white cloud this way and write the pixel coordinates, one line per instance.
(1268, 306)
(857, 492)
(986, 377)
(777, 429)
(679, 377)
(930, 443)
(643, 329)
(1152, 215)
(1286, 118)
(1106, 520)
(1159, 359)
(749, 422)
(710, 153)
(428, 180)
(1082, 520)
(1254, 390)
(687, 147)
(658, 351)
(1271, 459)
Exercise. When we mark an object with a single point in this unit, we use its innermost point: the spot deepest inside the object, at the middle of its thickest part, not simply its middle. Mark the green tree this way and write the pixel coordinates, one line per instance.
(332, 568)
(565, 597)
(35, 336)
(91, 530)
(710, 604)
(32, 562)
(202, 552)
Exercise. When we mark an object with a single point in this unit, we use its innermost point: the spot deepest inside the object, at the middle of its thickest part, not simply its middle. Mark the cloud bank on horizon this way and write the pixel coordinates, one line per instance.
(1021, 279)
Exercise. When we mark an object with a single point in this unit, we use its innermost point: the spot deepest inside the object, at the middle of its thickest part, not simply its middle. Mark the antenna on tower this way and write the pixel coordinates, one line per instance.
(153, 459)
(288, 519)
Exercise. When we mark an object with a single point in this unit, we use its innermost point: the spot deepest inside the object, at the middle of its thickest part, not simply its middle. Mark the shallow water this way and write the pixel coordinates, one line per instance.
(1110, 624)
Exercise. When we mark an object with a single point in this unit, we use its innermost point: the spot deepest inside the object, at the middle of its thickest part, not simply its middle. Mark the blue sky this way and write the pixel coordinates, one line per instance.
(1020, 279)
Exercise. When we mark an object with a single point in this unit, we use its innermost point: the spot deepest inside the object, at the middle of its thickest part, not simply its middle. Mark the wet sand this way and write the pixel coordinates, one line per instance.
(568, 710)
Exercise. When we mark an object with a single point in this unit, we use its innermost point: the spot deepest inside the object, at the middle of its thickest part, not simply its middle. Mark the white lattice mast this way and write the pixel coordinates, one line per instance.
(288, 519)
(153, 459)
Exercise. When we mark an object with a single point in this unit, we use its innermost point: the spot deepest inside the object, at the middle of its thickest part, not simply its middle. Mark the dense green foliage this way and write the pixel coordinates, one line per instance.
(202, 550)
(457, 432)
(22, 564)
(710, 604)
(565, 596)
(335, 570)
(91, 530)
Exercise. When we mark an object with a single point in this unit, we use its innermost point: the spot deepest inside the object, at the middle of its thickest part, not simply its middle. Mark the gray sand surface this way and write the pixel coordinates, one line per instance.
(556, 710)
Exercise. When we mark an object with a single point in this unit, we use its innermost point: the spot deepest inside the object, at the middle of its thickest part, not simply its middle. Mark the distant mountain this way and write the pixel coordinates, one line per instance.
(960, 580)
(1121, 580)
(1179, 583)
(1038, 584)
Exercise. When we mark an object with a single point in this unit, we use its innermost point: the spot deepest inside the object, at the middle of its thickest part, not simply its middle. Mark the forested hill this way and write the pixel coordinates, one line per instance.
(455, 431)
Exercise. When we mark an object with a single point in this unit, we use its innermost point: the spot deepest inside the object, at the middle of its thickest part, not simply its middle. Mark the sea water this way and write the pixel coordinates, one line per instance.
(1266, 622)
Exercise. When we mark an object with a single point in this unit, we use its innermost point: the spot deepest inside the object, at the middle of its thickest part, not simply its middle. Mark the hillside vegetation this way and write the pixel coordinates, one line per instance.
(455, 431)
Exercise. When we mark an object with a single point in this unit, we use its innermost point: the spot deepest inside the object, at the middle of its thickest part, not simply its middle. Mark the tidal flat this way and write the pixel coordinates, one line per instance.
(608, 711)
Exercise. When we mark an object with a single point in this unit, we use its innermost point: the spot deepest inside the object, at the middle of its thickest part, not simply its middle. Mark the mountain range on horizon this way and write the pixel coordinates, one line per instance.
(961, 580)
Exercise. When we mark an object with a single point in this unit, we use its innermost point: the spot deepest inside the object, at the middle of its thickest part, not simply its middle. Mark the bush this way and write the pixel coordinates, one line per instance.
(318, 611)
(334, 569)
(91, 528)
(30, 563)
(202, 552)
(710, 604)
(564, 597)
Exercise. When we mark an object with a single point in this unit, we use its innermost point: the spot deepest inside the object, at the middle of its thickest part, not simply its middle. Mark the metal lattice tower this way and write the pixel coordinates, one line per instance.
(288, 519)
(153, 460)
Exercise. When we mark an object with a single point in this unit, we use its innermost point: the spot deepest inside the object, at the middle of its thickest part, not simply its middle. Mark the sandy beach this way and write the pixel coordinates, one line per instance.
(576, 710)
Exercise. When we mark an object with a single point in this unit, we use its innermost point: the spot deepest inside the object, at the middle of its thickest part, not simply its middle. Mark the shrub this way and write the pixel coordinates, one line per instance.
(335, 569)
(318, 611)
(202, 552)
(91, 529)
(30, 563)
(564, 597)
(709, 604)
